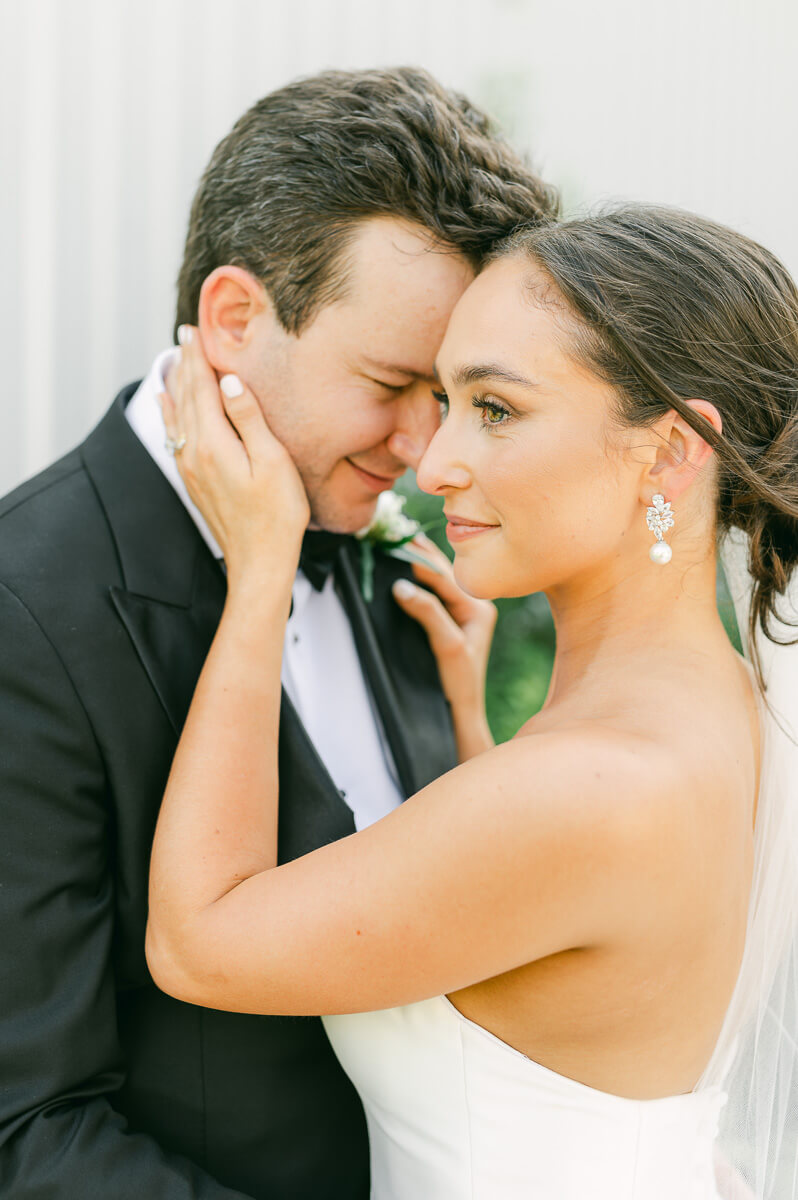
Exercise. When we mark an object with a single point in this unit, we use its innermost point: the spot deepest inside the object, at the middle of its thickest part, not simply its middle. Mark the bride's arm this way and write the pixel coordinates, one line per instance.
(502, 861)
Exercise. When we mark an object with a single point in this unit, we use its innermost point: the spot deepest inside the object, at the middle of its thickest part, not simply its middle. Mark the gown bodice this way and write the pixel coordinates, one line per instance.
(456, 1114)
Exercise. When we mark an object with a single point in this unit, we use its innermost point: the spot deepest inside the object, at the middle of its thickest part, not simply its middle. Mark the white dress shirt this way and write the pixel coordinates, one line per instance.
(321, 670)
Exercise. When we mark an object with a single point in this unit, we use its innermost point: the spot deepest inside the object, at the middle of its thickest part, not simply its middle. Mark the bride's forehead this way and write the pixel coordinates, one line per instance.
(502, 316)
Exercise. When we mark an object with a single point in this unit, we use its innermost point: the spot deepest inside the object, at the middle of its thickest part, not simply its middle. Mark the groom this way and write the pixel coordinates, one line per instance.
(332, 233)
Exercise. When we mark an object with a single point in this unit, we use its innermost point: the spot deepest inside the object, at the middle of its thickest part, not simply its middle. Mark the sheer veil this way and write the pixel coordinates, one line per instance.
(755, 1061)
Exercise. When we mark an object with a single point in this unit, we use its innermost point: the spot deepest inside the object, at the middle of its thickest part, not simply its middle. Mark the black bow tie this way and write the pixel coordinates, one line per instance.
(319, 552)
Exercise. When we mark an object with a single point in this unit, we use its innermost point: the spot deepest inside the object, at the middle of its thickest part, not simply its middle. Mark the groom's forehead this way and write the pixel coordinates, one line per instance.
(396, 349)
(386, 336)
(389, 258)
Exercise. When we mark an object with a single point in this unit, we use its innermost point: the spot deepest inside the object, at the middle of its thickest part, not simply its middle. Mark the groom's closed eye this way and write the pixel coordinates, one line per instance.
(390, 387)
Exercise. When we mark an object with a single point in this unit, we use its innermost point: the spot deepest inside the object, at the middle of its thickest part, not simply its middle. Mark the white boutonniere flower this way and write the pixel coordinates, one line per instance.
(390, 531)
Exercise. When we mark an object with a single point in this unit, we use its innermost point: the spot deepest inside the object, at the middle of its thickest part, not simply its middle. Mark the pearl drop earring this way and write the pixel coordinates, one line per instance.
(659, 519)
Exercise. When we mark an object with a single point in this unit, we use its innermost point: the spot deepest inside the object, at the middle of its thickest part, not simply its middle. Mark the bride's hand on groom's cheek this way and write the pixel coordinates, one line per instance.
(238, 474)
(460, 630)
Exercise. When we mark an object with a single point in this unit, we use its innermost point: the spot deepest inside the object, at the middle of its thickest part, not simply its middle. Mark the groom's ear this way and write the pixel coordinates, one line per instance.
(232, 303)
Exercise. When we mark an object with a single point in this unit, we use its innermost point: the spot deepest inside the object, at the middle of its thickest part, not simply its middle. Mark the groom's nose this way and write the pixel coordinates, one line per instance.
(417, 421)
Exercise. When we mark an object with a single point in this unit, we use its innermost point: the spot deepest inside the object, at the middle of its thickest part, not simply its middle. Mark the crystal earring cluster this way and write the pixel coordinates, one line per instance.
(659, 518)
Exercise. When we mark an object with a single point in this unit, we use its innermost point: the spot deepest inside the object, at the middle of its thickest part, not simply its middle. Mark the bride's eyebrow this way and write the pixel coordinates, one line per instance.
(479, 372)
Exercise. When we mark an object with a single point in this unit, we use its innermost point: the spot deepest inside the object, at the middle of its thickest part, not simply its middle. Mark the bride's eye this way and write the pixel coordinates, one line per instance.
(443, 403)
(494, 415)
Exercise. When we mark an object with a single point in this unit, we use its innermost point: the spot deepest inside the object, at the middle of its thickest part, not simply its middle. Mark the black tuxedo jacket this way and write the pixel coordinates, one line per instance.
(110, 1090)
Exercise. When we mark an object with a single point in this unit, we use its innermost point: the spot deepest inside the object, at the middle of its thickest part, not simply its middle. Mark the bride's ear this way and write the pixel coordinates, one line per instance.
(681, 452)
(231, 302)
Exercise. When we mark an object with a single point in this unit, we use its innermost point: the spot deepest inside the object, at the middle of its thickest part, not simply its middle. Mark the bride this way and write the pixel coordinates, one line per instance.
(546, 973)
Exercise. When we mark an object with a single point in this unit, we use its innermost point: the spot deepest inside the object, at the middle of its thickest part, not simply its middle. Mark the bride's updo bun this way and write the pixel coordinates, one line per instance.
(671, 307)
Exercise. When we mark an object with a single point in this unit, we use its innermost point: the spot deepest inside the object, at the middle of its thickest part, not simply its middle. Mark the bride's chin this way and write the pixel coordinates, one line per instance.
(492, 577)
(477, 583)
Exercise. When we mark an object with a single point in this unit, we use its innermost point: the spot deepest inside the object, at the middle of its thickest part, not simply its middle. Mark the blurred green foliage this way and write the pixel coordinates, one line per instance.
(523, 648)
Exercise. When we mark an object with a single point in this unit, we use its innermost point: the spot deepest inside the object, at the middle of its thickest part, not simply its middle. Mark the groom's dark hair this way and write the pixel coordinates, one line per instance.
(285, 190)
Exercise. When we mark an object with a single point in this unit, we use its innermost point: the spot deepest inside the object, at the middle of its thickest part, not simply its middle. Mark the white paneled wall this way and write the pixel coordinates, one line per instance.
(109, 110)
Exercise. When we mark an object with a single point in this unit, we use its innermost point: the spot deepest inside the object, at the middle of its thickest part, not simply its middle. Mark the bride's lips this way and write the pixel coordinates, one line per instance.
(377, 483)
(462, 529)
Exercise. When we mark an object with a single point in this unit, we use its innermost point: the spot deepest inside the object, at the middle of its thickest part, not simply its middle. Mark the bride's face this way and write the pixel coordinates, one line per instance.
(529, 448)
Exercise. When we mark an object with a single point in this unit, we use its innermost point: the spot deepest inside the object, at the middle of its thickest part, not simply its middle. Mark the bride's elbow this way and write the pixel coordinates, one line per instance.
(168, 966)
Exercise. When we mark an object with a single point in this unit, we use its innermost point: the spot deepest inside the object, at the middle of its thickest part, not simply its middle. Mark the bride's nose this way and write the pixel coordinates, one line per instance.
(440, 467)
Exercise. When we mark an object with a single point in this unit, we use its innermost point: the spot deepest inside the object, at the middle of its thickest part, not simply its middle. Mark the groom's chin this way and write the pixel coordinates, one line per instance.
(338, 517)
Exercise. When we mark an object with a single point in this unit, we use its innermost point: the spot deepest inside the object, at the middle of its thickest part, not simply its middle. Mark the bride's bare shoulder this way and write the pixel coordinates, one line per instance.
(596, 775)
(642, 786)
(598, 747)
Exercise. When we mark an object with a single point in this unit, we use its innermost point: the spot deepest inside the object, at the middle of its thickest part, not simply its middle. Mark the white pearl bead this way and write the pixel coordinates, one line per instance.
(660, 553)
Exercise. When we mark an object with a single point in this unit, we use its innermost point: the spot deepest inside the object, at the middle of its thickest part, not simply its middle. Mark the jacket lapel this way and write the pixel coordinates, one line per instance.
(402, 673)
(173, 590)
(173, 640)
(316, 813)
(170, 603)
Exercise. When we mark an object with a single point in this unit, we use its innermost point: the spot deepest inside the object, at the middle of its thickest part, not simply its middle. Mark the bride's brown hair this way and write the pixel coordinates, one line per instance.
(671, 307)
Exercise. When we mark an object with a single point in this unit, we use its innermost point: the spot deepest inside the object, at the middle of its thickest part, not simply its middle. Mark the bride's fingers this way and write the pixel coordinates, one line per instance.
(228, 417)
(464, 608)
(176, 420)
(177, 426)
(440, 566)
(169, 413)
(445, 635)
(246, 416)
(199, 404)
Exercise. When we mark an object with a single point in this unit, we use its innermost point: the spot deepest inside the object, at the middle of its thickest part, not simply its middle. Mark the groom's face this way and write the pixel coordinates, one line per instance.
(351, 395)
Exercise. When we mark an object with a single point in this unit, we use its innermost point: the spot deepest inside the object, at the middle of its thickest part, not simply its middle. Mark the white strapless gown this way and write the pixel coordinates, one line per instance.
(456, 1114)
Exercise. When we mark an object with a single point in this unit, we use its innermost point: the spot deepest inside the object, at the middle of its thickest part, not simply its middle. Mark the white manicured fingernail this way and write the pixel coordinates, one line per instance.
(231, 385)
(184, 334)
(403, 589)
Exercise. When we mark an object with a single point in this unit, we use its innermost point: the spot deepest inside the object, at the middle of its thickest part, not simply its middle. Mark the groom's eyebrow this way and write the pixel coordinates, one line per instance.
(411, 370)
(479, 372)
